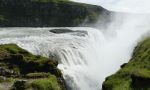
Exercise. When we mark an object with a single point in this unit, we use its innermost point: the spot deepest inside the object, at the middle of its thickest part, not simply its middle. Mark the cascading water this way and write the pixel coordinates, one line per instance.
(85, 58)
(88, 56)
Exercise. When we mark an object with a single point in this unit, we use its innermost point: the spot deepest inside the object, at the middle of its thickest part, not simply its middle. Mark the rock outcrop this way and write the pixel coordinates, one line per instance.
(21, 70)
(72, 32)
(59, 31)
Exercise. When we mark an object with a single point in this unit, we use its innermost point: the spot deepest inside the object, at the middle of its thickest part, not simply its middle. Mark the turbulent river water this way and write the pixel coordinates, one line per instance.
(86, 57)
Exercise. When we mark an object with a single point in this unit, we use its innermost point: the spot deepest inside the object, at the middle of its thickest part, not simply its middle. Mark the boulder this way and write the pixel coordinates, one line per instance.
(7, 72)
(19, 85)
(59, 31)
(62, 31)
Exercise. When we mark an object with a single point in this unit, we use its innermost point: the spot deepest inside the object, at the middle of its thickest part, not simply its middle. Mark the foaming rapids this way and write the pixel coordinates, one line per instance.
(85, 59)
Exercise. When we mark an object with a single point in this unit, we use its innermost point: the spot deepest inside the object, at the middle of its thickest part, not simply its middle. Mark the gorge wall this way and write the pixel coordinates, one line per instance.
(55, 13)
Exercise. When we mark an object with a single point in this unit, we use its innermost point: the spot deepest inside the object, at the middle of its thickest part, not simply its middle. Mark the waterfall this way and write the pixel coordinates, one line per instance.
(86, 55)
(85, 59)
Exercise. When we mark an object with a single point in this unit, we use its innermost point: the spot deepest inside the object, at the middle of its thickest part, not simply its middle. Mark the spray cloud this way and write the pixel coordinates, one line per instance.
(85, 60)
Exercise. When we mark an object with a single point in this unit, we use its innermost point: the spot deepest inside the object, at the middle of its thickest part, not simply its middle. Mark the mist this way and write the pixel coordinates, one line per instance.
(86, 60)
(116, 43)
(132, 6)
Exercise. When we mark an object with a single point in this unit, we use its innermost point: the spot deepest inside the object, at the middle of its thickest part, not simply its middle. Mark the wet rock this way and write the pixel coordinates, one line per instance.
(123, 65)
(140, 82)
(59, 31)
(7, 72)
(77, 32)
(2, 78)
(19, 85)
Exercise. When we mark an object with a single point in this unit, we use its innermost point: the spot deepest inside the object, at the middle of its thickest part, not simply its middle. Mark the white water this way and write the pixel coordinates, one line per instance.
(85, 60)
(132, 6)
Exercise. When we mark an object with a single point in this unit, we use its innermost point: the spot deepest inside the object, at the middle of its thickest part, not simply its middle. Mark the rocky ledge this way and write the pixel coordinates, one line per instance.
(21, 70)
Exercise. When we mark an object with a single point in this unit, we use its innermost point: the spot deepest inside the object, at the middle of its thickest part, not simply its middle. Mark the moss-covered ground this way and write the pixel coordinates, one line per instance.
(135, 75)
(21, 70)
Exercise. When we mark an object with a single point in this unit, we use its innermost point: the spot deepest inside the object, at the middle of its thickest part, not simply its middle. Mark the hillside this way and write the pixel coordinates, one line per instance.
(20, 70)
(134, 75)
(40, 13)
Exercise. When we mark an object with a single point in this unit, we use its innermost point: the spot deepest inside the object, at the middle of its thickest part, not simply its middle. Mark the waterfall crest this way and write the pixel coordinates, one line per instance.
(85, 60)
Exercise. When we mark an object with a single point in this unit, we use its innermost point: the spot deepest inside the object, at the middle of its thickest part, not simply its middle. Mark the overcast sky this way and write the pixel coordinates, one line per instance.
(140, 6)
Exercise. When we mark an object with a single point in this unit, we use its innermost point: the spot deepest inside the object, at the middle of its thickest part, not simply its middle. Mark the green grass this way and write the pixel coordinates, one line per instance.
(41, 13)
(46, 84)
(138, 66)
(43, 71)
(2, 80)
(18, 59)
(38, 75)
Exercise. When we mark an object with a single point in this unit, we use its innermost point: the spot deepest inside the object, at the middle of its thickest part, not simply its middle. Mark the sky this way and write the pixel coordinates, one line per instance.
(135, 6)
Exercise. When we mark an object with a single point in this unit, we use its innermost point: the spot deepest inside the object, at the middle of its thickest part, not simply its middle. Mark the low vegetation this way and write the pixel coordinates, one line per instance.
(49, 83)
(42, 13)
(26, 70)
(135, 75)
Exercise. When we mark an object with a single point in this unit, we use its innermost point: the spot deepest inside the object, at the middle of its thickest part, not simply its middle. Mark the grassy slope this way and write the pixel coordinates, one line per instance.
(135, 75)
(47, 13)
(29, 67)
